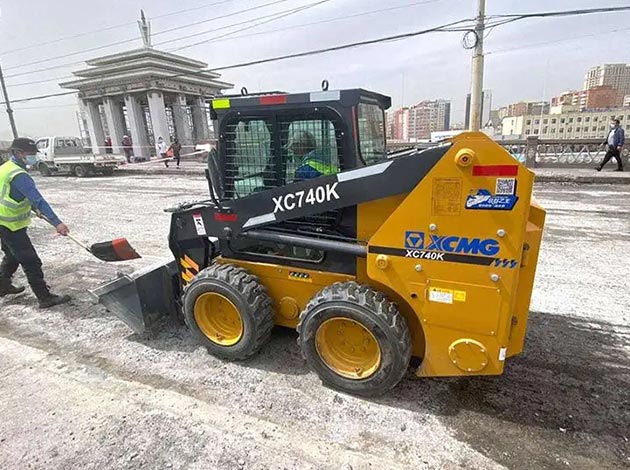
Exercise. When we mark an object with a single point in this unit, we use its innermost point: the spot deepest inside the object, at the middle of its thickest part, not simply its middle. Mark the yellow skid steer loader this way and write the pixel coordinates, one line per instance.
(372, 257)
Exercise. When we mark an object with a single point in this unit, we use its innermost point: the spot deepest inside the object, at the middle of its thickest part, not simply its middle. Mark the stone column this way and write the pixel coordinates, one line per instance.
(115, 122)
(158, 115)
(200, 118)
(139, 138)
(95, 126)
(180, 116)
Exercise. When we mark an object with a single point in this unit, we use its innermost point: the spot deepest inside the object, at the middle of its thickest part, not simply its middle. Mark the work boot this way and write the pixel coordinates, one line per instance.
(7, 288)
(598, 168)
(619, 169)
(51, 300)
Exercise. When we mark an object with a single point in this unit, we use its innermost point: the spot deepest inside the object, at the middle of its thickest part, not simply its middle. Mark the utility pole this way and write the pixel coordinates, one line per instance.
(8, 104)
(476, 92)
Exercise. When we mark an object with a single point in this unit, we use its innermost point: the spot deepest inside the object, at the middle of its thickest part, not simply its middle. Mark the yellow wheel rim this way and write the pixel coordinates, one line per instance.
(348, 348)
(218, 318)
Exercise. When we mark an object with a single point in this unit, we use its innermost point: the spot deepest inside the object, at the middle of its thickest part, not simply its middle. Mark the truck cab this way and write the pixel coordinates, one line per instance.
(66, 154)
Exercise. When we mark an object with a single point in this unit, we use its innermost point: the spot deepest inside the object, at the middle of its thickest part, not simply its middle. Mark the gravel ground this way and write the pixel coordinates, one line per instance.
(80, 391)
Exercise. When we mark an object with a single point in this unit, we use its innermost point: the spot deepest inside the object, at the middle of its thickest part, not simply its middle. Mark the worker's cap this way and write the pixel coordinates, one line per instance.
(24, 144)
(301, 139)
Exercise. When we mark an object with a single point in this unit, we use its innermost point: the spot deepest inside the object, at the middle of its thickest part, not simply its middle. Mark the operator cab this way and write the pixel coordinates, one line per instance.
(272, 140)
(267, 141)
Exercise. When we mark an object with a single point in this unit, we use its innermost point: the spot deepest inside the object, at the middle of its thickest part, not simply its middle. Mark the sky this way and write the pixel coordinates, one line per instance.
(526, 60)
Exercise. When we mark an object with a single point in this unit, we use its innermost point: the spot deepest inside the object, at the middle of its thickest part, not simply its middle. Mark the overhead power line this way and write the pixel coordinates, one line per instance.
(126, 41)
(448, 27)
(259, 23)
(303, 25)
(110, 28)
(272, 17)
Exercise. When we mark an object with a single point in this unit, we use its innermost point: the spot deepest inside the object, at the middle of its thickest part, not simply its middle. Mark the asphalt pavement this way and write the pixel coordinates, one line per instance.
(81, 391)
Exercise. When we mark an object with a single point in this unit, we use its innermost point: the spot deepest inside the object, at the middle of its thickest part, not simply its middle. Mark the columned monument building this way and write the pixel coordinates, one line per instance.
(146, 94)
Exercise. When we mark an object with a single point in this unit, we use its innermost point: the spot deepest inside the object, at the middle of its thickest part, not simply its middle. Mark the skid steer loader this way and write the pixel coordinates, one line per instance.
(372, 257)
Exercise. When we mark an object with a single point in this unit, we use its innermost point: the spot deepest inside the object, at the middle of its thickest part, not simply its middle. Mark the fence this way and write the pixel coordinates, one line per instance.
(546, 153)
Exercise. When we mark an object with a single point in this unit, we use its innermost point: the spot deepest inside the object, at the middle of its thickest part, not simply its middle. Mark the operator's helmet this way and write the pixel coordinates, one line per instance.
(301, 142)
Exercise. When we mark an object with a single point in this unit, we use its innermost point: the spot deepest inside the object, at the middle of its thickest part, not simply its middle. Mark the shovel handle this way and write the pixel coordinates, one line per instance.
(71, 237)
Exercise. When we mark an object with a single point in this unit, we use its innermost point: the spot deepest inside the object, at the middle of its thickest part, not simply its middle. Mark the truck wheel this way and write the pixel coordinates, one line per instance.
(44, 170)
(80, 171)
(228, 311)
(355, 339)
(107, 171)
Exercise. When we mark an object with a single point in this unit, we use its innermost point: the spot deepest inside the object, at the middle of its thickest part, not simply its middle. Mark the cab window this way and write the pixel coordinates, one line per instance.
(42, 144)
(371, 127)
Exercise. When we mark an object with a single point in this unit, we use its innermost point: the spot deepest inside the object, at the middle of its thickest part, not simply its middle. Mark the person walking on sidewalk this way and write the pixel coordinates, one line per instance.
(176, 148)
(162, 150)
(616, 140)
(127, 147)
(18, 196)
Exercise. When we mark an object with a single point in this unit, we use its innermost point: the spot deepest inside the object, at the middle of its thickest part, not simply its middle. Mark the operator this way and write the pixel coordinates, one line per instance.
(18, 196)
(311, 163)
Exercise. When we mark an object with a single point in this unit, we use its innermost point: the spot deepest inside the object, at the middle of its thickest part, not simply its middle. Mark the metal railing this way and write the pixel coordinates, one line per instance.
(545, 153)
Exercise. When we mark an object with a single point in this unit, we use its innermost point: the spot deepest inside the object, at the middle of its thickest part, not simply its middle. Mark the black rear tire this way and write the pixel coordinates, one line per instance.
(107, 171)
(80, 171)
(351, 304)
(44, 169)
(246, 294)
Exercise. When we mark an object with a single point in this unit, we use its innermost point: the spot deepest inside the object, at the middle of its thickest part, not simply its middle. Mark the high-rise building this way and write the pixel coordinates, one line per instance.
(429, 116)
(399, 124)
(486, 106)
(615, 75)
(596, 97)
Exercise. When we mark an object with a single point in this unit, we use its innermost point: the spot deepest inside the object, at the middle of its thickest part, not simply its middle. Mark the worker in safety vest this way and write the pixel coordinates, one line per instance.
(18, 197)
(311, 163)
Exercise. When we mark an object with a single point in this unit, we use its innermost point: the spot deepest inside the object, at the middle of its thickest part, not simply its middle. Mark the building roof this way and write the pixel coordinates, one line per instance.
(145, 69)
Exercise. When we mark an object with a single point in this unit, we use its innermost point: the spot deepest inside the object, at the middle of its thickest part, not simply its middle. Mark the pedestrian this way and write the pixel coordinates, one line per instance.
(18, 197)
(616, 140)
(161, 150)
(126, 144)
(108, 145)
(176, 148)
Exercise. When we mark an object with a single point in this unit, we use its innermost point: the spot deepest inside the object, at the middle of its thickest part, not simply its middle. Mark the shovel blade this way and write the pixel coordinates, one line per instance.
(114, 250)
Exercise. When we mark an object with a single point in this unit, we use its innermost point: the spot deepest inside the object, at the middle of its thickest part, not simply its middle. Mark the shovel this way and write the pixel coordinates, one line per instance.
(111, 251)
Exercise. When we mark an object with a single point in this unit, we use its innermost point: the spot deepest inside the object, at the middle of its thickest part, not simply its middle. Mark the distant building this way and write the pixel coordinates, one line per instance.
(429, 116)
(523, 108)
(597, 97)
(486, 107)
(616, 76)
(399, 124)
(593, 124)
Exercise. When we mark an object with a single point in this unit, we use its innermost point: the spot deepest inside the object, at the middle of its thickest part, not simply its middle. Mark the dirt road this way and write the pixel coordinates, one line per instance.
(80, 391)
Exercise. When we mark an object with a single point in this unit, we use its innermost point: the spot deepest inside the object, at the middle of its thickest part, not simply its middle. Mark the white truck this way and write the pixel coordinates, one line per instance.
(59, 154)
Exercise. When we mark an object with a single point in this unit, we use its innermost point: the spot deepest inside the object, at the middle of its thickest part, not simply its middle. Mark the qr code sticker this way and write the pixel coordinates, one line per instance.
(506, 186)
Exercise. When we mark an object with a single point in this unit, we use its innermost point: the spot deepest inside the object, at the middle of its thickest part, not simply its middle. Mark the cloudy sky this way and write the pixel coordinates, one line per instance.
(526, 60)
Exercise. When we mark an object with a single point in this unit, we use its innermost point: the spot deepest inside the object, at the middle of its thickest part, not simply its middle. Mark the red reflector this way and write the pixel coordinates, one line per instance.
(495, 170)
(225, 217)
(273, 99)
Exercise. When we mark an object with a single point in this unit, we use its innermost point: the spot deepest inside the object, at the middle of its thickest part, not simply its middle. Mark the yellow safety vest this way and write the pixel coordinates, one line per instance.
(323, 168)
(14, 215)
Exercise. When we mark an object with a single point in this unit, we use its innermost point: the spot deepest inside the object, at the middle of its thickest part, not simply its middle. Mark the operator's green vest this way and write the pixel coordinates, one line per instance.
(323, 168)
(14, 215)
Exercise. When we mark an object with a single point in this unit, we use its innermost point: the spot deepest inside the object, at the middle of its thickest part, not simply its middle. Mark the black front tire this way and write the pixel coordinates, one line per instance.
(374, 312)
(249, 297)
(80, 171)
(107, 171)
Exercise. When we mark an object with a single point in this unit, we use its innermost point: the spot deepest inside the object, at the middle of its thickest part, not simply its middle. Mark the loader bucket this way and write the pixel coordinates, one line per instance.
(143, 299)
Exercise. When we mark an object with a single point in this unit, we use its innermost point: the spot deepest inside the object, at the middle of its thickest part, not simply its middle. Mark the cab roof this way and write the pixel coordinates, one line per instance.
(346, 98)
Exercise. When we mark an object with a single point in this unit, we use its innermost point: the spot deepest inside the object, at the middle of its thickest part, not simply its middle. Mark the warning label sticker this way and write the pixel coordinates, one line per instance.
(442, 296)
(446, 196)
(199, 225)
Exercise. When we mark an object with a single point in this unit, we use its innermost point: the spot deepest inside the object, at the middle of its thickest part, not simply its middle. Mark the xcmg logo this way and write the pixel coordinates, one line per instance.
(419, 241)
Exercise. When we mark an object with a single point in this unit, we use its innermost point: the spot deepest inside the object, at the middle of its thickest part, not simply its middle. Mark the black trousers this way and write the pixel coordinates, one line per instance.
(178, 158)
(612, 152)
(19, 251)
